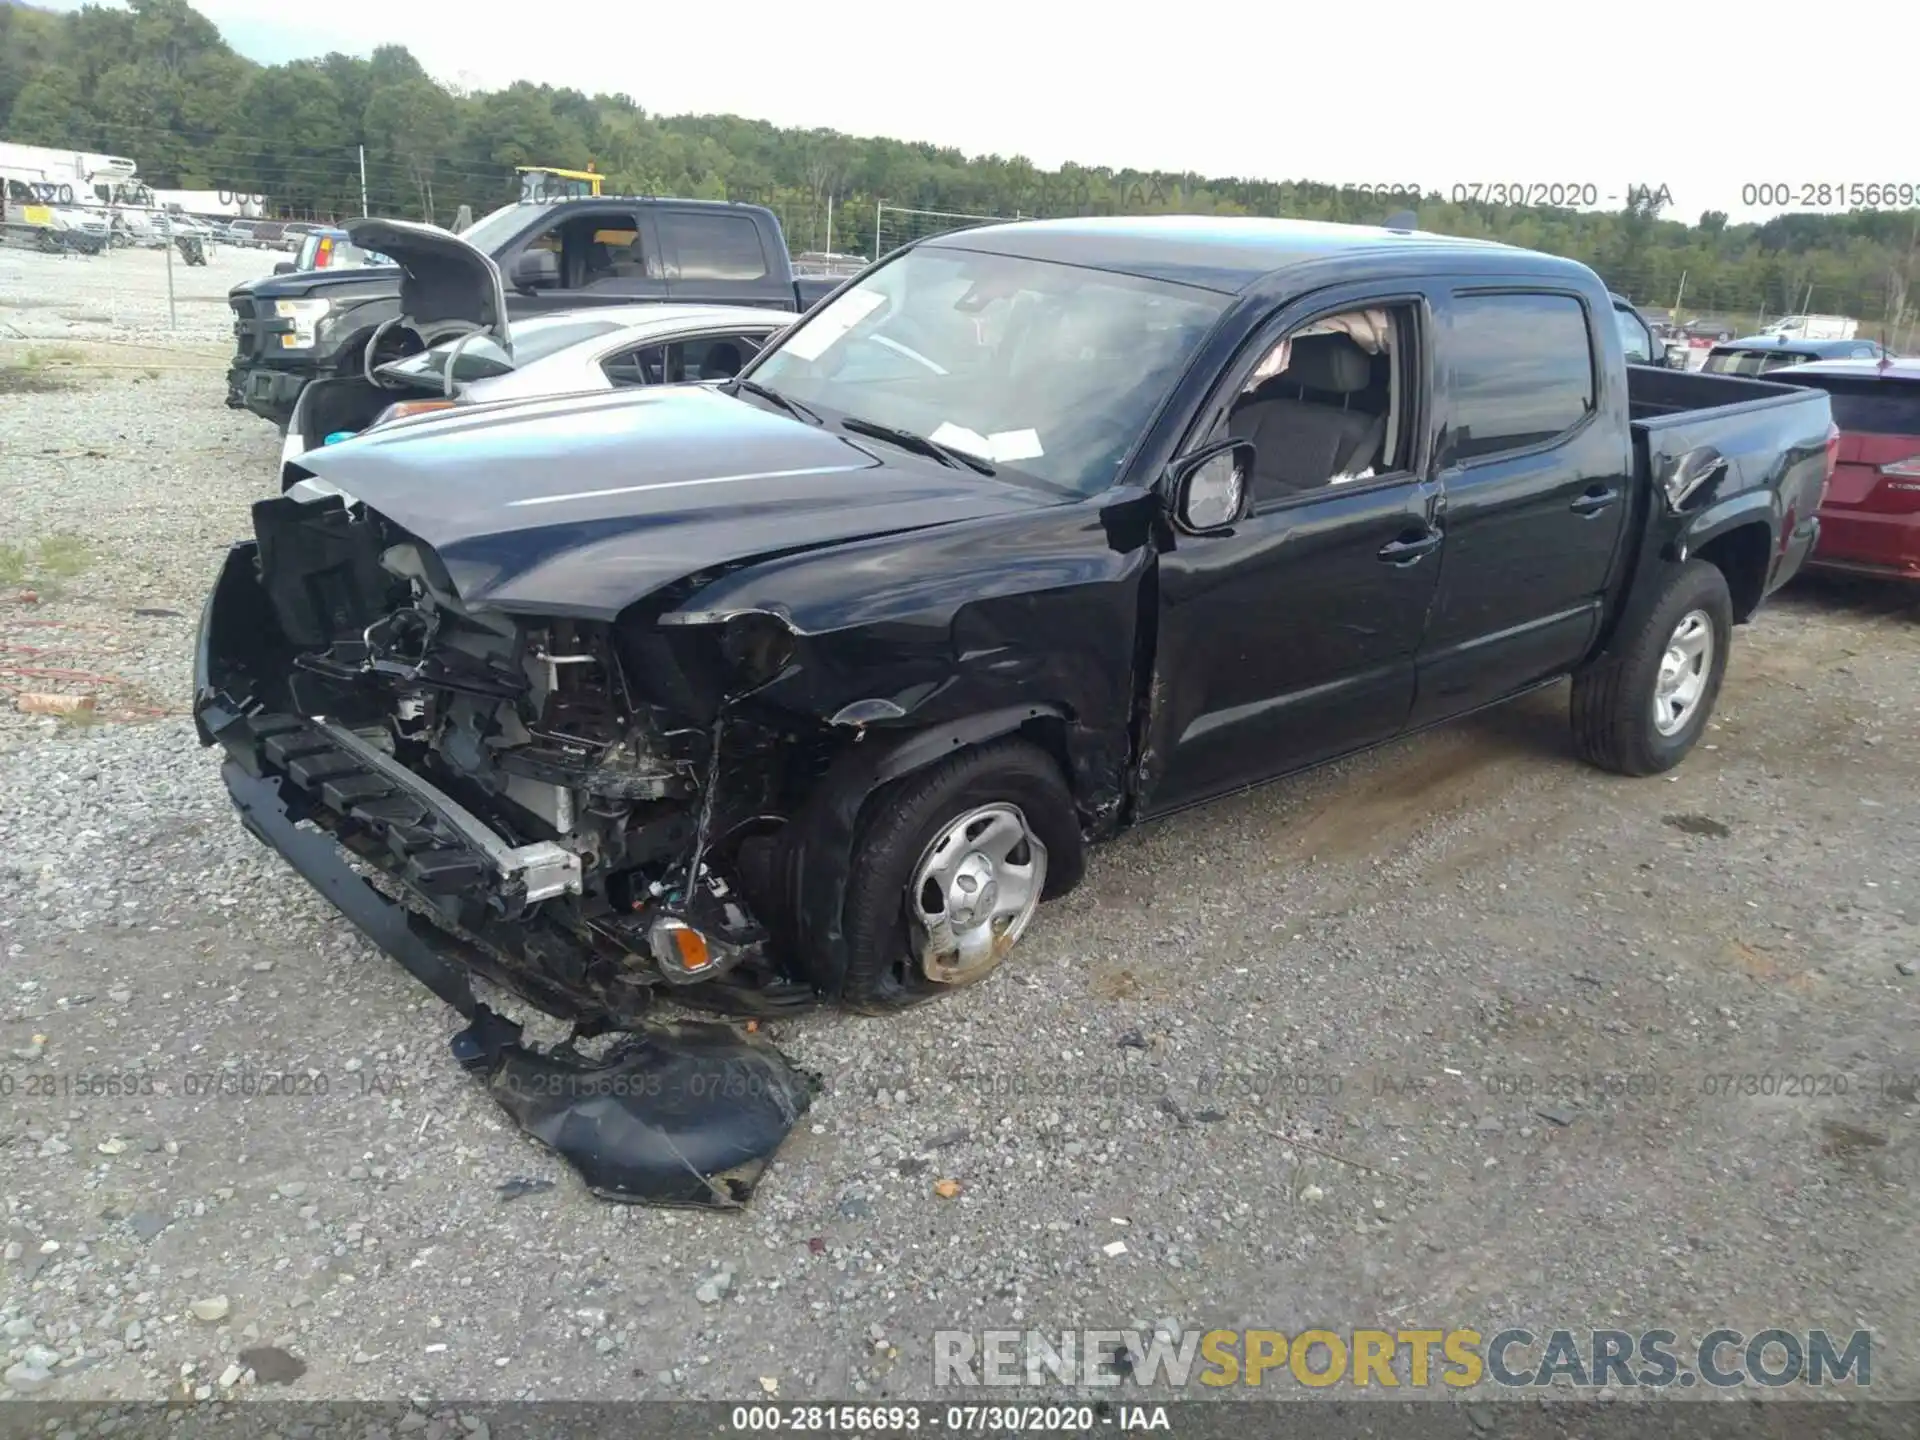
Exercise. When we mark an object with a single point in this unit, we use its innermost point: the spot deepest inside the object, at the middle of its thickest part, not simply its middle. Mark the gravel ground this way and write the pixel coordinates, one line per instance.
(1305, 1051)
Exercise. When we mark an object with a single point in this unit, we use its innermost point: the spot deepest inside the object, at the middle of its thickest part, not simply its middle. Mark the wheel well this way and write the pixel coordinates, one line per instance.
(1049, 732)
(1741, 555)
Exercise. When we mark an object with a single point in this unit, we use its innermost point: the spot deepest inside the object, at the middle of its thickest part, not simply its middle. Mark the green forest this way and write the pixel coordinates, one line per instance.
(156, 82)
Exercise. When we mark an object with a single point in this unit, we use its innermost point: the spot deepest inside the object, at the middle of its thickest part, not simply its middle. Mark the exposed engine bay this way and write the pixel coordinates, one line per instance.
(554, 788)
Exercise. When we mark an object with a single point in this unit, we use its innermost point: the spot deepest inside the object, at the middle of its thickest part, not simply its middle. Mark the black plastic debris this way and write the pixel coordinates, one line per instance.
(684, 1113)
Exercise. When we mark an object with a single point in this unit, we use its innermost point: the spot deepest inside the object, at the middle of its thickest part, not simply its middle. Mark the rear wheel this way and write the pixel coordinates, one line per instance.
(951, 864)
(1641, 707)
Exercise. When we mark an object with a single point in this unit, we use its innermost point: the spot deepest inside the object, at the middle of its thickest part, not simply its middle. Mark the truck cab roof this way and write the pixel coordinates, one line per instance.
(1231, 254)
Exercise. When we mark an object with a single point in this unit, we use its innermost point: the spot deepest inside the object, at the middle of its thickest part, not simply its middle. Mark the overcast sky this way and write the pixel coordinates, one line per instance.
(1396, 92)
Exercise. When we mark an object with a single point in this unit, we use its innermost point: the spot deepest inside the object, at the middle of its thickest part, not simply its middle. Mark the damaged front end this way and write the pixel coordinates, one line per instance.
(520, 808)
(502, 771)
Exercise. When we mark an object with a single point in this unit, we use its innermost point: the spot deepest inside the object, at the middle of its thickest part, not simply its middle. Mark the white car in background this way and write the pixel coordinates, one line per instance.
(607, 347)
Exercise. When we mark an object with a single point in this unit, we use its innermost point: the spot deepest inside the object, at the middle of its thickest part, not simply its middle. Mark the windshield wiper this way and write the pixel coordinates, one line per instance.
(907, 440)
(792, 407)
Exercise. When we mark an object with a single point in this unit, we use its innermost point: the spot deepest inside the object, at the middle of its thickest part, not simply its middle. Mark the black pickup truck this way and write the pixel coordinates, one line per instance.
(558, 255)
(814, 684)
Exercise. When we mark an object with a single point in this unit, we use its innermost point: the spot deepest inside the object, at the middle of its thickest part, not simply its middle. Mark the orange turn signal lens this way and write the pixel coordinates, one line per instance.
(692, 946)
(677, 946)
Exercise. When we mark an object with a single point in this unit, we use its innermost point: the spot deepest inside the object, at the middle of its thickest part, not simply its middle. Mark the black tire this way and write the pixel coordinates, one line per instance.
(1613, 698)
(903, 819)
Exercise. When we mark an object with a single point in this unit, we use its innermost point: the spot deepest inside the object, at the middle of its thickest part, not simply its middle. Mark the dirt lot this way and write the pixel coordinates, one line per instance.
(1458, 1034)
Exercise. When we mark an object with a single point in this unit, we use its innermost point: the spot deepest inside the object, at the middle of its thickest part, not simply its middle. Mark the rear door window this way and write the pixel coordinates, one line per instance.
(1870, 407)
(713, 357)
(705, 357)
(1753, 362)
(713, 246)
(646, 365)
(1520, 371)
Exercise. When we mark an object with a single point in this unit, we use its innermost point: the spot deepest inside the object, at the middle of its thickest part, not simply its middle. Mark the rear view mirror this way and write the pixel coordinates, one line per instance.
(1208, 489)
(536, 270)
(285, 267)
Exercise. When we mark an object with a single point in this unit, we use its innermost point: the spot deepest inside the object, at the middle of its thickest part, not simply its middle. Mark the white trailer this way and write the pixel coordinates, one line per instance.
(80, 177)
(1814, 327)
(226, 204)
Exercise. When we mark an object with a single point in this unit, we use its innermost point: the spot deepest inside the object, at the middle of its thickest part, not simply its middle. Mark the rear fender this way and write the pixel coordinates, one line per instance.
(1671, 540)
(1694, 532)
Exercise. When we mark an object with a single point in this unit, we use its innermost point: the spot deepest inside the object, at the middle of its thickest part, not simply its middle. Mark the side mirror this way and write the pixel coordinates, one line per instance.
(1207, 490)
(285, 267)
(536, 270)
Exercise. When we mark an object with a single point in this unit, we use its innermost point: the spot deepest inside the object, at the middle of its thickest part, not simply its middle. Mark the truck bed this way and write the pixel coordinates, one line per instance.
(1654, 392)
(1675, 411)
(1773, 440)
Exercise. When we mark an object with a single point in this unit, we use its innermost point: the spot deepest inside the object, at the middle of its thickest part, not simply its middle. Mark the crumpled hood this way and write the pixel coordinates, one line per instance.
(580, 505)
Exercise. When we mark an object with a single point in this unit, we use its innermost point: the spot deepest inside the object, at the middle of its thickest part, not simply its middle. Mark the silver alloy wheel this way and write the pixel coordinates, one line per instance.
(974, 891)
(1684, 670)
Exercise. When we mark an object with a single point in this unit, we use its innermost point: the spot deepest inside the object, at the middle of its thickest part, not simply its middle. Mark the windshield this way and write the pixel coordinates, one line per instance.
(1052, 370)
(483, 357)
(494, 229)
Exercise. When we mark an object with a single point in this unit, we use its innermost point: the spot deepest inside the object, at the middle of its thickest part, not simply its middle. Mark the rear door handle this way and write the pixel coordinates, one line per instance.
(1406, 552)
(1594, 501)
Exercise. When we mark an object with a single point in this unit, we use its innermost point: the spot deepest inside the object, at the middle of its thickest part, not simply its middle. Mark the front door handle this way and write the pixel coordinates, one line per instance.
(1407, 552)
(1594, 501)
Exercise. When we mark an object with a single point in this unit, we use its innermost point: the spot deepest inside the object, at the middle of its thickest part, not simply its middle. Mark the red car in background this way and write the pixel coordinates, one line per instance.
(1870, 519)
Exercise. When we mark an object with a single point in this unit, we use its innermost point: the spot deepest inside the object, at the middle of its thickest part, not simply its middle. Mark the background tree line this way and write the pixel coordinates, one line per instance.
(155, 81)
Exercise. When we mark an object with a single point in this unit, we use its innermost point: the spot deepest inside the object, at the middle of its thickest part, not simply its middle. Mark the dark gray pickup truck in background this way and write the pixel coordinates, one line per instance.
(560, 255)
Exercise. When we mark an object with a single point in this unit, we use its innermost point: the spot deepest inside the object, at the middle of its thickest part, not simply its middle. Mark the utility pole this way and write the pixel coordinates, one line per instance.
(1679, 297)
(829, 222)
(363, 182)
(173, 317)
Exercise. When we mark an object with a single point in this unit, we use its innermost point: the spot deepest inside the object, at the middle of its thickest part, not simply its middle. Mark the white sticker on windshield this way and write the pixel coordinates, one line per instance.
(815, 337)
(958, 437)
(1011, 445)
(1001, 447)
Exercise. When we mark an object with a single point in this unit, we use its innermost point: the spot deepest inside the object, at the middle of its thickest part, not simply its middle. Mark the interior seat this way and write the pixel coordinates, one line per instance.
(1303, 422)
(723, 361)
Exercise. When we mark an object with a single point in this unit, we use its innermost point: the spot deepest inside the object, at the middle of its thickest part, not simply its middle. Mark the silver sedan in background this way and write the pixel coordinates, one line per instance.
(607, 347)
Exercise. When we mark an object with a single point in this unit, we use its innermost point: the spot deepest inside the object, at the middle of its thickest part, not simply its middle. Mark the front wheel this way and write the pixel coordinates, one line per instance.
(1642, 706)
(950, 866)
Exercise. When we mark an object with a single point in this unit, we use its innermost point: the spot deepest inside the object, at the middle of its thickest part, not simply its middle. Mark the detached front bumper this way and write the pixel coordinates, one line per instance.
(273, 796)
(679, 1114)
(476, 895)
